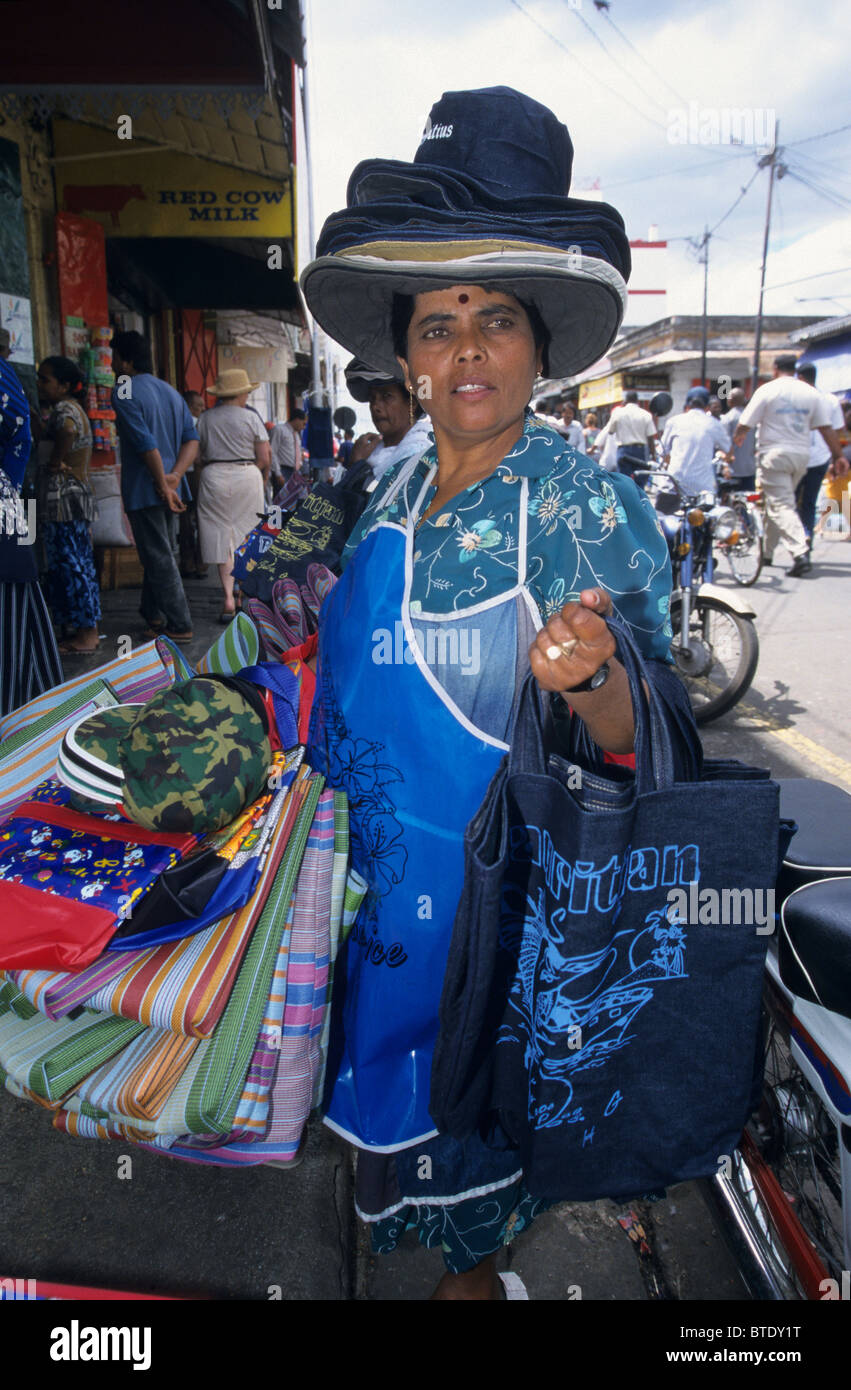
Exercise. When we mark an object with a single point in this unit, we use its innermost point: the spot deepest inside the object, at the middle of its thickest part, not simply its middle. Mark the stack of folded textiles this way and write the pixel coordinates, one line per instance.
(210, 1043)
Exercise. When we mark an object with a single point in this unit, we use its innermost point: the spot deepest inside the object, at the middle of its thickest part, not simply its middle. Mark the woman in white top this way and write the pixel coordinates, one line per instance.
(235, 459)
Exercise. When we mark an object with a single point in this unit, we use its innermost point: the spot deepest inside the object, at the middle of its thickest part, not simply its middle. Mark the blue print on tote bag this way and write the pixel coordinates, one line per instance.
(588, 1012)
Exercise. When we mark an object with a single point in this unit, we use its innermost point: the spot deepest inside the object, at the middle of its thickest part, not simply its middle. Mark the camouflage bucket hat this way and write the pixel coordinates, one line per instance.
(188, 761)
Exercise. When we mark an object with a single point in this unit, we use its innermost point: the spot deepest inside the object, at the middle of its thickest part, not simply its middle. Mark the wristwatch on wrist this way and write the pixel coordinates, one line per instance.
(599, 678)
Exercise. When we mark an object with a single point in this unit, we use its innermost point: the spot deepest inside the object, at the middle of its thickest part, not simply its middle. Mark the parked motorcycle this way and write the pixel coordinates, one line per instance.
(744, 549)
(783, 1199)
(715, 645)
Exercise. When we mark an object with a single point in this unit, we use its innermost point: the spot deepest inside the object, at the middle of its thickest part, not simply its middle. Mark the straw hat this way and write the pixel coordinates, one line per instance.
(233, 382)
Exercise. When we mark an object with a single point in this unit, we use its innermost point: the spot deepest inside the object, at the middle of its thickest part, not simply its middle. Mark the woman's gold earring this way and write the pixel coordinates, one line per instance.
(410, 405)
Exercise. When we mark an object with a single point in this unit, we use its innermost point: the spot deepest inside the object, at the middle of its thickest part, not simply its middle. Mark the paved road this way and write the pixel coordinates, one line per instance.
(794, 718)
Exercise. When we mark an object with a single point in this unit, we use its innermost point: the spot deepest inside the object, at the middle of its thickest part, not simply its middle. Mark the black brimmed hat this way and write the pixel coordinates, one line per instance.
(485, 201)
(360, 377)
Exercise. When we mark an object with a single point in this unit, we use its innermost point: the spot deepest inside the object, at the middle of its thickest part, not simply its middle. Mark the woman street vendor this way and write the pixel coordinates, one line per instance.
(499, 546)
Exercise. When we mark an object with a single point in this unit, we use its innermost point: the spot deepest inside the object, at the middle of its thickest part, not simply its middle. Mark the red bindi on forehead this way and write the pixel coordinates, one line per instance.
(463, 298)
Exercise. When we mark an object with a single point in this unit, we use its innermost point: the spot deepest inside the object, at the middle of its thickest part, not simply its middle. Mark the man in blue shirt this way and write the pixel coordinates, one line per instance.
(157, 432)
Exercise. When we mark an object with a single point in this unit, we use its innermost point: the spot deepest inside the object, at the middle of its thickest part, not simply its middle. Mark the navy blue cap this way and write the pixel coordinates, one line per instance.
(698, 395)
(511, 145)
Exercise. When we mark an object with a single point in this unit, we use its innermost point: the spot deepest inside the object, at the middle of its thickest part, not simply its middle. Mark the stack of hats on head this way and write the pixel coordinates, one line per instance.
(190, 760)
(484, 201)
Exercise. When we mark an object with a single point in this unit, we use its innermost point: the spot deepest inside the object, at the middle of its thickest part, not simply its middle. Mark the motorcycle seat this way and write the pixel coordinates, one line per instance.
(814, 949)
(821, 846)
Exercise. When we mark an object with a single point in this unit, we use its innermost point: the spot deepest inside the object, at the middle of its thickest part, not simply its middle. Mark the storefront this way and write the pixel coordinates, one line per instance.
(827, 347)
(155, 188)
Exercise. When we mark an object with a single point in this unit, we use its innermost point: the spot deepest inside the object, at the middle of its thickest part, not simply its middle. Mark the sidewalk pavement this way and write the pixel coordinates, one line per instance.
(120, 617)
(68, 1215)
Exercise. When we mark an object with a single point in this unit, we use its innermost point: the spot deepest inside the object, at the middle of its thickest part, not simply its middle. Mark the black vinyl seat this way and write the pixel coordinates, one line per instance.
(821, 846)
(814, 949)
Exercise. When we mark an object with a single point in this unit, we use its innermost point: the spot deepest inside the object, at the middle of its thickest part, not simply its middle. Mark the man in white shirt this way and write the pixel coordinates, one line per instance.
(571, 428)
(786, 411)
(808, 488)
(690, 441)
(633, 429)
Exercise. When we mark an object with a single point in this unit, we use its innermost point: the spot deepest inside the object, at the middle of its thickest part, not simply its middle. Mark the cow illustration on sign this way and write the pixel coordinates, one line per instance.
(101, 197)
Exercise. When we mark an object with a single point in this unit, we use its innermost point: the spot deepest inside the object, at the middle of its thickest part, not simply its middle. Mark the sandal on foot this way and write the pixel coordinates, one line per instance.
(181, 638)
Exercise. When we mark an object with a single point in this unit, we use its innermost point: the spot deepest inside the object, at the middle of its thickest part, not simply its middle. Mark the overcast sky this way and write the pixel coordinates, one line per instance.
(377, 66)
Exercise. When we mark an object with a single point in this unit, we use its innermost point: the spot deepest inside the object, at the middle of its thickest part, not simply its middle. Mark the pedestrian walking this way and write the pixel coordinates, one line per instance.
(633, 429)
(690, 441)
(570, 427)
(837, 484)
(285, 444)
(159, 443)
(786, 410)
(808, 489)
(66, 508)
(742, 464)
(235, 460)
(188, 543)
(499, 539)
(590, 430)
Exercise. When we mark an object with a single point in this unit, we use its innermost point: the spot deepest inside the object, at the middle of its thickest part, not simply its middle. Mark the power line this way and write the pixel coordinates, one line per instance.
(829, 196)
(598, 81)
(819, 275)
(736, 203)
(654, 101)
(694, 168)
(823, 136)
(654, 69)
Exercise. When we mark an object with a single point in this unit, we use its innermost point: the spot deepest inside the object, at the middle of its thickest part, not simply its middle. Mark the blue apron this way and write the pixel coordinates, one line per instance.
(389, 727)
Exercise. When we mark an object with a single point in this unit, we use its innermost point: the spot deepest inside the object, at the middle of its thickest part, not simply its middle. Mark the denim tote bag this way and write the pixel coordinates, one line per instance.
(601, 1002)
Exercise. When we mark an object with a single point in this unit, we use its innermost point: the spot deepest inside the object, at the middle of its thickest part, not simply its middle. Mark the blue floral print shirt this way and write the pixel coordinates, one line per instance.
(586, 528)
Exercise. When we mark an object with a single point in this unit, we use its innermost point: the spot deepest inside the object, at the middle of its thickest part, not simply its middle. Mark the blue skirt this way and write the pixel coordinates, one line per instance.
(72, 587)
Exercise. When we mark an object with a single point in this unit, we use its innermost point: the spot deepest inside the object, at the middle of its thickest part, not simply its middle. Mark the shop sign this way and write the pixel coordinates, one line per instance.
(260, 363)
(647, 385)
(603, 390)
(143, 191)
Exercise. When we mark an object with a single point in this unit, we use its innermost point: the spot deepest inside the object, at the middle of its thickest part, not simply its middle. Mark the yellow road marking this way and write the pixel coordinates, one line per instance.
(838, 768)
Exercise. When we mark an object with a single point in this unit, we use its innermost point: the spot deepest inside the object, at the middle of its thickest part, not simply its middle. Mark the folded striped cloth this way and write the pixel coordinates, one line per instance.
(218, 1088)
(162, 1129)
(238, 646)
(50, 1058)
(207, 1081)
(136, 1084)
(299, 1057)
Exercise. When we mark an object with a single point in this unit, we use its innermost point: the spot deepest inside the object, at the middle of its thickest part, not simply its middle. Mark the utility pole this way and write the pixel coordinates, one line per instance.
(705, 301)
(776, 168)
(316, 383)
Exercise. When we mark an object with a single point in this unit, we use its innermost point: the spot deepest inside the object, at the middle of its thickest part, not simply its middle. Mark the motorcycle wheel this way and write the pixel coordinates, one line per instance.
(800, 1143)
(721, 658)
(746, 557)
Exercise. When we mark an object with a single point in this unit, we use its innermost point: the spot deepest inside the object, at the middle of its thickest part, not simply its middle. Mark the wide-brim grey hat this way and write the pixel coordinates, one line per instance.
(581, 299)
